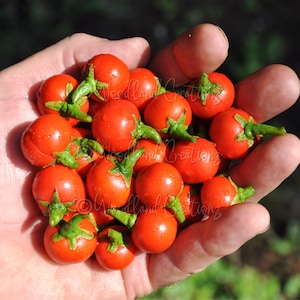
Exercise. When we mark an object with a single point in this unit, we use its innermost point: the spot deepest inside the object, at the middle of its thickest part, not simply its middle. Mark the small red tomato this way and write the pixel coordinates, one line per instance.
(115, 249)
(71, 242)
(234, 131)
(117, 126)
(220, 191)
(155, 230)
(157, 183)
(58, 190)
(110, 77)
(141, 88)
(225, 131)
(104, 186)
(212, 94)
(196, 162)
(46, 135)
(55, 88)
(154, 153)
(170, 114)
(53, 98)
(109, 181)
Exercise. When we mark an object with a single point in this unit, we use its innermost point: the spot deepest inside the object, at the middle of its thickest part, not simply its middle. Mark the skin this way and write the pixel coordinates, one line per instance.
(201, 49)
(29, 272)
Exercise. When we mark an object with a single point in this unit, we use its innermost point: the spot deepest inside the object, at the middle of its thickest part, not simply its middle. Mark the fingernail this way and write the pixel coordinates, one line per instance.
(224, 34)
(265, 230)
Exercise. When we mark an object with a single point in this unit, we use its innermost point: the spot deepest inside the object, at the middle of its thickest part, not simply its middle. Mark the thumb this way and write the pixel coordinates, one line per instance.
(70, 54)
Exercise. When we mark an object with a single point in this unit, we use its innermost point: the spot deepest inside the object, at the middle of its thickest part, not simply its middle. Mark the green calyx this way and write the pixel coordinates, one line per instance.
(242, 194)
(177, 129)
(142, 130)
(56, 209)
(115, 239)
(204, 87)
(160, 89)
(69, 108)
(125, 166)
(252, 130)
(84, 146)
(66, 158)
(123, 217)
(88, 86)
(72, 231)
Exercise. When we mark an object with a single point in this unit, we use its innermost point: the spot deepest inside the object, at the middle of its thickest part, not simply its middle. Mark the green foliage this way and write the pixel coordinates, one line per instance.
(290, 243)
(270, 273)
(292, 287)
(256, 52)
(222, 280)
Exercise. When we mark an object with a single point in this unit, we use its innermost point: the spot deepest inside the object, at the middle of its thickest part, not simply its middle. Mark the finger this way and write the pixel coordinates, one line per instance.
(268, 165)
(200, 49)
(268, 92)
(71, 53)
(202, 243)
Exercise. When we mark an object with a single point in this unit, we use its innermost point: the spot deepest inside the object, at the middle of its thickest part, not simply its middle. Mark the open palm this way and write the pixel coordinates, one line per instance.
(25, 269)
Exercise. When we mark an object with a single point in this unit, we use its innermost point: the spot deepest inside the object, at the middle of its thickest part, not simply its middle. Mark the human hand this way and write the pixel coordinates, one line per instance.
(25, 268)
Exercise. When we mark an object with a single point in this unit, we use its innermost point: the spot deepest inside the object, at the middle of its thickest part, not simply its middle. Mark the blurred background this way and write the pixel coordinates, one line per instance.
(260, 33)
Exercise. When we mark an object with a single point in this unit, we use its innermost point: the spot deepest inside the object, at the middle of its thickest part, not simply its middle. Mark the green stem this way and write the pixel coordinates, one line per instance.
(69, 110)
(252, 130)
(175, 207)
(93, 145)
(85, 147)
(177, 129)
(88, 86)
(74, 111)
(123, 217)
(144, 131)
(125, 166)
